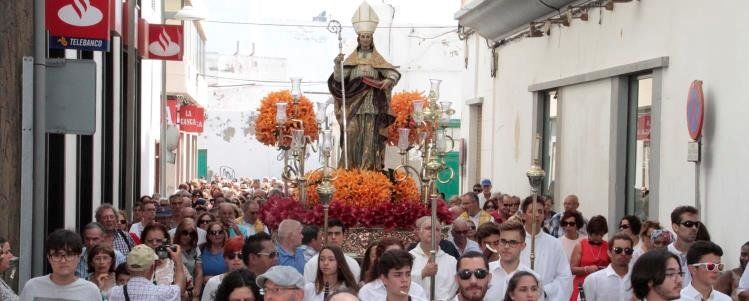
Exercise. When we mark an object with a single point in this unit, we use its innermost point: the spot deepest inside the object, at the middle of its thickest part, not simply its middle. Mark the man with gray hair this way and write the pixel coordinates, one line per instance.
(443, 267)
(106, 215)
(281, 283)
(460, 239)
(93, 234)
(289, 240)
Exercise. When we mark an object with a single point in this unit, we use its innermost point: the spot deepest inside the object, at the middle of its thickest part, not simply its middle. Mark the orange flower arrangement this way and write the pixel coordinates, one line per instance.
(402, 105)
(364, 189)
(265, 126)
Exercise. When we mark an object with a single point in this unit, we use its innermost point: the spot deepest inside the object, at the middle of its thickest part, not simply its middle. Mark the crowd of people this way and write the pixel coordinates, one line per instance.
(208, 242)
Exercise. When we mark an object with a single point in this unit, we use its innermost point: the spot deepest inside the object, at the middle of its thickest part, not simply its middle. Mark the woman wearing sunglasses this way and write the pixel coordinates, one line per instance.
(204, 219)
(523, 286)
(613, 282)
(571, 223)
(232, 260)
(331, 276)
(122, 223)
(186, 236)
(590, 255)
(212, 252)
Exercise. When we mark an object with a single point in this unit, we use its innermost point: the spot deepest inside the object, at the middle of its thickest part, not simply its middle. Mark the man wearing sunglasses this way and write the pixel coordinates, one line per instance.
(472, 276)
(259, 253)
(612, 283)
(703, 261)
(685, 221)
(511, 244)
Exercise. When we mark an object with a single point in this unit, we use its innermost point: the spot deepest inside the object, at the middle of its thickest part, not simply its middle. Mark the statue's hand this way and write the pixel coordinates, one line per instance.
(387, 84)
(338, 59)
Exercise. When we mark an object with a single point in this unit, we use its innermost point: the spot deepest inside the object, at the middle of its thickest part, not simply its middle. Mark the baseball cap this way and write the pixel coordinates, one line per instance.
(140, 258)
(486, 182)
(283, 276)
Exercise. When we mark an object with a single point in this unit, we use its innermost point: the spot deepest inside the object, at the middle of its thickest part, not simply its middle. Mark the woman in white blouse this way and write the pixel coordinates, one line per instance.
(333, 274)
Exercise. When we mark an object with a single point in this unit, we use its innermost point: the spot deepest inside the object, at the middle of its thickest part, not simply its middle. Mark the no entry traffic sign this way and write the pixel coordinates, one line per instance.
(695, 109)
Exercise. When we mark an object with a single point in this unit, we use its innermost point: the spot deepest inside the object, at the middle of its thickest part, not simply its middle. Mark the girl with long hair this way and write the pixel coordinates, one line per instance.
(333, 274)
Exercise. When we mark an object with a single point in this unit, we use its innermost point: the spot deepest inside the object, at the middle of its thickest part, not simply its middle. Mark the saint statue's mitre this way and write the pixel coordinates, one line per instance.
(365, 19)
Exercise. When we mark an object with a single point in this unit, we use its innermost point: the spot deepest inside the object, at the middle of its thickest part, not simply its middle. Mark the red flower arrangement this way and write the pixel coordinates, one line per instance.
(265, 125)
(387, 215)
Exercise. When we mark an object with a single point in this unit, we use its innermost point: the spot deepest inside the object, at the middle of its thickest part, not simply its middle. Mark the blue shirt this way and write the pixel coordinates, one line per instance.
(213, 264)
(295, 260)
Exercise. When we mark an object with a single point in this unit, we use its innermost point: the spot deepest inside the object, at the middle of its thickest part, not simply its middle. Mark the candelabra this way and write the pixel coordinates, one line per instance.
(431, 119)
(536, 176)
(295, 154)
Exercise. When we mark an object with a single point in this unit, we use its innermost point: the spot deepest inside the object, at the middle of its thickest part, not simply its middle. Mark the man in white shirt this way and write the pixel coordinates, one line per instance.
(335, 238)
(612, 283)
(394, 279)
(550, 261)
(656, 276)
(472, 277)
(148, 214)
(703, 260)
(685, 221)
(511, 244)
(460, 239)
(424, 268)
(486, 192)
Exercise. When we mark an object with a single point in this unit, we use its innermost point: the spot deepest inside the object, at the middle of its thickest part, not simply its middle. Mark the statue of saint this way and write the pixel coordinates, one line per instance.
(368, 80)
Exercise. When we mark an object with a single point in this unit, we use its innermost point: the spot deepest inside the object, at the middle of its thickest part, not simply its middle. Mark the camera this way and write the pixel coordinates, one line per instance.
(162, 252)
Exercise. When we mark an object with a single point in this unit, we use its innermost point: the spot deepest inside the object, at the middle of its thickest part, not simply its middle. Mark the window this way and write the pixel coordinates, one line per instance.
(550, 141)
(638, 145)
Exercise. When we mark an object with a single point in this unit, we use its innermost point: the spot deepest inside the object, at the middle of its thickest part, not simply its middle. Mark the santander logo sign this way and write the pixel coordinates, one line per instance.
(80, 13)
(164, 45)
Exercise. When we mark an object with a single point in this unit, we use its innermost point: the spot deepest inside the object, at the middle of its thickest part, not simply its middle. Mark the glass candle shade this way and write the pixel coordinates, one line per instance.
(403, 138)
(281, 113)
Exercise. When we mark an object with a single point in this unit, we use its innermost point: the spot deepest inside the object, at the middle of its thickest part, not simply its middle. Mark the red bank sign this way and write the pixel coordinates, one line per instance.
(191, 118)
(165, 42)
(78, 24)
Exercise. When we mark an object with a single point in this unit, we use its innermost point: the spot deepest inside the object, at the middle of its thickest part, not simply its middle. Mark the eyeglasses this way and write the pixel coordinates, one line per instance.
(204, 221)
(627, 251)
(123, 222)
(511, 205)
(674, 274)
(492, 243)
(691, 224)
(270, 255)
(276, 290)
(508, 243)
(479, 273)
(58, 257)
(186, 232)
(219, 232)
(232, 256)
(252, 212)
(565, 224)
(710, 266)
(477, 190)
(464, 232)
(624, 227)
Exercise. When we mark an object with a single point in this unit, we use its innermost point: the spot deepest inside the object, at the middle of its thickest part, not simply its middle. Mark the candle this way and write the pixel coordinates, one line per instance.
(403, 143)
(327, 140)
(441, 142)
(418, 111)
(297, 138)
(536, 148)
(280, 113)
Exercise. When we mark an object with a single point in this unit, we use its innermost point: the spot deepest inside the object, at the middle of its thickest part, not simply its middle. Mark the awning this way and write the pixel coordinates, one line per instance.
(497, 19)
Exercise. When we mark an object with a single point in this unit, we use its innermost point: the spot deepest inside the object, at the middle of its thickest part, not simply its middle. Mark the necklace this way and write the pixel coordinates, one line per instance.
(597, 255)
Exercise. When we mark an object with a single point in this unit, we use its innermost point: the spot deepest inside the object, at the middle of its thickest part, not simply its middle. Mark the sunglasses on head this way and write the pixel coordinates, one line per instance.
(565, 224)
(710, 266)
(627, 251)
(479, 273)
(691, 224)
(232, 256)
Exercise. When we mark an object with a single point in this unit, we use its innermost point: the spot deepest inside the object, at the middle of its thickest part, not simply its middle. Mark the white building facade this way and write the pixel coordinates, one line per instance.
(608, 97)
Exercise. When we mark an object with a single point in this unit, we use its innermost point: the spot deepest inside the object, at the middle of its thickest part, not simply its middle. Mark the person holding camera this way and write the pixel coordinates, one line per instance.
(141, 263)
(169, 259)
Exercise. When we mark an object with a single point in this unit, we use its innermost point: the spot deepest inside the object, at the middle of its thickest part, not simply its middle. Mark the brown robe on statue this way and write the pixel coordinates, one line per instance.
(367, 107)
